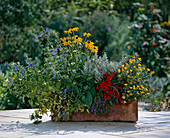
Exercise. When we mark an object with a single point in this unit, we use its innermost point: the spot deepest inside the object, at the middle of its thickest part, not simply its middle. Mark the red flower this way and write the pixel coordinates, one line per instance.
(122, 82)
(166, 52)
(106, 97)
(117, 96)
(97, 88)
(110, 92)
(119, 88)
(112, 73)
(106, 74)
(165, 33)
(153, 30)
(109, 78)
(128, 47)
(154, 44)
(147, 39)
(154, 12)
(152, 7)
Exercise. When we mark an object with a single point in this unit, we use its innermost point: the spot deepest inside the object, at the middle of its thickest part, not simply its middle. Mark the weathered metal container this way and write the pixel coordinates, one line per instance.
(117, 113)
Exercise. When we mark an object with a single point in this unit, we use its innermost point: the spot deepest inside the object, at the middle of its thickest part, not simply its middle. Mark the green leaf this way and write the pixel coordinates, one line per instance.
(85, 87)
(88, 99)
(93, 91)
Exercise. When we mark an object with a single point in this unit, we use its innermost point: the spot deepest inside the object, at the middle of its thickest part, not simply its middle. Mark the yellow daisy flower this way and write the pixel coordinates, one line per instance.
(139, 58)
(123, 97)
(124, 101)
(75, 29)
(84, 34)
(89, 44)
(67, 42)
(94, 49)
(77, 39)
(88, 34)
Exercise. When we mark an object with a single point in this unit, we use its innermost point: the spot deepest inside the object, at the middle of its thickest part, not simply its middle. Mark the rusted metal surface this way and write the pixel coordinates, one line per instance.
(117, 113)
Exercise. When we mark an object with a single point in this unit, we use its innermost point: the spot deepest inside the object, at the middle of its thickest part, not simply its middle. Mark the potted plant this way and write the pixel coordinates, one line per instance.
(73, 83)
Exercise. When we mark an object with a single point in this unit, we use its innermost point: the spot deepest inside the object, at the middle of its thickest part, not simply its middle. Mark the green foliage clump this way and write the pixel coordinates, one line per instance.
(58, 85)
(149, 39)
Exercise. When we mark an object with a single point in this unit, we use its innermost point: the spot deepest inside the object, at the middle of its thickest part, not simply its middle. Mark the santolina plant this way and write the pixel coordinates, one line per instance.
(61, 86)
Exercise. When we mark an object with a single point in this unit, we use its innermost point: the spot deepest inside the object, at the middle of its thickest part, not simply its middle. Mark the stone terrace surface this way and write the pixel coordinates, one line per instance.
(16, 124)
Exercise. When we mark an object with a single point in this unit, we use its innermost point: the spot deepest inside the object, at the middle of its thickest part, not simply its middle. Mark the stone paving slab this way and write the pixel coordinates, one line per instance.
(16, 124)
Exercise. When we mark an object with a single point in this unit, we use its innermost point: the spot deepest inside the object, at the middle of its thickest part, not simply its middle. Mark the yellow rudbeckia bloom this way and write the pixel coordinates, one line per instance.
(89, 44)
(77, 39)
(94, 49)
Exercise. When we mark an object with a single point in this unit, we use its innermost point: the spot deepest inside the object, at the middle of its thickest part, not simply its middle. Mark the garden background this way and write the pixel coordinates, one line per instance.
(118, 27)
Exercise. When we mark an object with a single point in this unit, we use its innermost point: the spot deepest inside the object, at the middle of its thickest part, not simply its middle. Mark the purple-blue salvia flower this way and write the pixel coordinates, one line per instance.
(56, 50)
(26, 60)
(64, 114)
(58, 118)
(65, 90)
(41, 34)
(22, 72)
(65, 54)
(61, 95)
(54, 76)
(29, 65)
(47, 29)
(34, 66)
(53, 52)
(59, 58)
(59, 71)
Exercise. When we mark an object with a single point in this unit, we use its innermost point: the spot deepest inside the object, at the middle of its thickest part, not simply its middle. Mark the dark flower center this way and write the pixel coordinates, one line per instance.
(77, 37)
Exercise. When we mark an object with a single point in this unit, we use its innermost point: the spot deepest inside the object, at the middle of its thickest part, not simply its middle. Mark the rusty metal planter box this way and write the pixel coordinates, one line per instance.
(117, 113)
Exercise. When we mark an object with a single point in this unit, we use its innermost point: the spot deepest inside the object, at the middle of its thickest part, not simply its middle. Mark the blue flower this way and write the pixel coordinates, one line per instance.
(47, 29)
(26, 60)
(53, 52)
(65, 54)
(41, 34)
(8, 82)
(54, 76)
(15, 69)
(65, 90)
(29, 65)
(34, 66)
(22, 72)
(64, 114)
(59, 71)
(56, 50)
(59, 58)
(61, 95)
(58, 118)
(64, 98)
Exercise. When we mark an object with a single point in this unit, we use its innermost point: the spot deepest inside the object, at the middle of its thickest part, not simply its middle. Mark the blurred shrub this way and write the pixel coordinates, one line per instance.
(149, 39)
(20, 21)
(160, 90)
(109, 33)
(8, 99)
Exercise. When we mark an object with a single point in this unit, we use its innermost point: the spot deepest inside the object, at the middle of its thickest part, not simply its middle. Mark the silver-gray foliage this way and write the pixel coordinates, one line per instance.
(98, 66)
